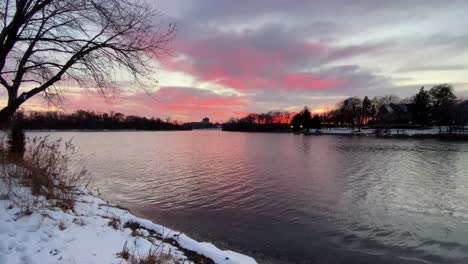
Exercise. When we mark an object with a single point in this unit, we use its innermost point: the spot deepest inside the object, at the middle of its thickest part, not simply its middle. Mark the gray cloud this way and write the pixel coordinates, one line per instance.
(362, 43)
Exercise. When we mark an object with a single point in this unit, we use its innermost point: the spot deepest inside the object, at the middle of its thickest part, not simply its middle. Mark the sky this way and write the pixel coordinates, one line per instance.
(234, 57)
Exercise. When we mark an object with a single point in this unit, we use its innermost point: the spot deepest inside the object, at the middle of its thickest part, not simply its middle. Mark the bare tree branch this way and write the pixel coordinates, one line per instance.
(89, 42)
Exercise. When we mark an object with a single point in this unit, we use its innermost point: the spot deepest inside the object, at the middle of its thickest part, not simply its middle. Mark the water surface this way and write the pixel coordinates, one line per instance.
(286, 198)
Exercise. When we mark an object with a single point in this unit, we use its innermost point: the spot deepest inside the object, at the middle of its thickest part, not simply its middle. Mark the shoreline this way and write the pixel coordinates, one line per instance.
(95, 232)
(401, 134)
(394, 134)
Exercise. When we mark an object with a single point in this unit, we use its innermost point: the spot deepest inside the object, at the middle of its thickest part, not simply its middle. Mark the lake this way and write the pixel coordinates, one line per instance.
(285, 198)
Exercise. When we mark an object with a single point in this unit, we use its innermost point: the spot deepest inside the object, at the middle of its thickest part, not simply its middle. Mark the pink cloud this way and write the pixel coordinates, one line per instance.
(301, 81)
(183, 104)
(264, 61)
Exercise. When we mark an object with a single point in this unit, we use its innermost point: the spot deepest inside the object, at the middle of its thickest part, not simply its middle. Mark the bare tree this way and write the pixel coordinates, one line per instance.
(46, 43)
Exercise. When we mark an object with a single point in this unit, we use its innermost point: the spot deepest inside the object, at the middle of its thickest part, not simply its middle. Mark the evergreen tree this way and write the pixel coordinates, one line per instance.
(306, 118)
(316, 122)
(302, 120)
(366, 106)
(422, 107)
(296, 122)
(443, 101)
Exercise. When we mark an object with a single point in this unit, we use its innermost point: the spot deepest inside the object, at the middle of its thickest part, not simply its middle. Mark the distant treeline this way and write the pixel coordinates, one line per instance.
(88, 120)
(437, 106)
(265, 122)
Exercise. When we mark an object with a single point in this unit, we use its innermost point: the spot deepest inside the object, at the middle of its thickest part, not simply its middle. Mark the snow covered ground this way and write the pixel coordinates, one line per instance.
(345, 131)
(85, 235)
(388, 132)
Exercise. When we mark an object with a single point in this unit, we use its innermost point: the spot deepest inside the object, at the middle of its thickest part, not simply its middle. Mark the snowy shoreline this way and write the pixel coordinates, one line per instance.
(390, 133)
(95, 232)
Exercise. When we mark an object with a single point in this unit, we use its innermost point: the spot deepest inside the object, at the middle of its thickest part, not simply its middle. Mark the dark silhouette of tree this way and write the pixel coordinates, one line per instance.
(16, 142)
(263, 122)
(306, 118)
(296, 122)
(366, 105)
(438, 104)
(373, 112)
(380, 101)
(422, 107)
(443, 102)
(366, 109)
(91, 121)
(352, 112)
(316, 122)
(302, 120)
(84, 42)
(461, 114)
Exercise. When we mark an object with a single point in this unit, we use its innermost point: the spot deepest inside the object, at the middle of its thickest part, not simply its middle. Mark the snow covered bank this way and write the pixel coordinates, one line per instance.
(95, 232)
(434, 131)
(346, 131)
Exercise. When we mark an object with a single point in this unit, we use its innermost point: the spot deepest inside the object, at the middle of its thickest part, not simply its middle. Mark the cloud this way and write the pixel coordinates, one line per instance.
(284, 54)
(181, 103)
(271, 57)
(433, 68)
(231, 57)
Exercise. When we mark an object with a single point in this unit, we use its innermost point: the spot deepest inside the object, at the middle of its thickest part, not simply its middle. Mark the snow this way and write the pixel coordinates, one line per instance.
(84, 235)
(388, 132)
(345, 131)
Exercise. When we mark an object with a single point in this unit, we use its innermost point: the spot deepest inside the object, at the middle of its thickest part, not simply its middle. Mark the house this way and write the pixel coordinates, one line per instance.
(204, 124)
(395, 114)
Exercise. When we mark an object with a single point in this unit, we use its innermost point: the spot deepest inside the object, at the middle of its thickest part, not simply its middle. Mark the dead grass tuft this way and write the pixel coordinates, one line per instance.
(52, 169)
(62, 226)
(79, 221)
(153, 257)
(132, 225)
(125, 253)
(115, 222)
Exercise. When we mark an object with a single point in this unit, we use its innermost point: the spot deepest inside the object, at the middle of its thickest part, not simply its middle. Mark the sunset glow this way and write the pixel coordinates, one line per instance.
(229, 59)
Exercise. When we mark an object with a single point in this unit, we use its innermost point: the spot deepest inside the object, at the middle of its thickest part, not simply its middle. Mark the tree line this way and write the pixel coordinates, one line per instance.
(85, 43)
(89, 120)
(263, 122)
(438, 106)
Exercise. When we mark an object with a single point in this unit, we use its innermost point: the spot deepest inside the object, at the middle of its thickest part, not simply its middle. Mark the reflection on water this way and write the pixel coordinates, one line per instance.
(293, 199)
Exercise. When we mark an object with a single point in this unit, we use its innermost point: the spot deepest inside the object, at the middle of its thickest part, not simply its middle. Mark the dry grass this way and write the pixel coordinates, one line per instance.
(79, 221)
(51, 169)
(125, 253)
(153, 257)
(62, 226)
(132, 225)
(115, 222)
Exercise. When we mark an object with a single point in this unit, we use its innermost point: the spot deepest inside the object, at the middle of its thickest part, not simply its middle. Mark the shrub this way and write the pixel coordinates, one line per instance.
(52, 169)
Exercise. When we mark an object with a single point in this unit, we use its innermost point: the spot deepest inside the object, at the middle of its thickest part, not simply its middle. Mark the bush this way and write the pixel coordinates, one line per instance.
(52, 169)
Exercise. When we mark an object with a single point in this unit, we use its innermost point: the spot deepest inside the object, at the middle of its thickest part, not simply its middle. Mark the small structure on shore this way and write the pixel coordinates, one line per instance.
(204, 124)
(395, 114)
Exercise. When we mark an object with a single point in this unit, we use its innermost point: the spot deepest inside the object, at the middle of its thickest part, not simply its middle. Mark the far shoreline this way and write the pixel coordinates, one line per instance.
(371, 133)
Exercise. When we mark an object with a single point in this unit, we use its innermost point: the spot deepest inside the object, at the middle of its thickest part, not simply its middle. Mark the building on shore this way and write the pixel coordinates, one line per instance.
(204, 124)
(395, 115)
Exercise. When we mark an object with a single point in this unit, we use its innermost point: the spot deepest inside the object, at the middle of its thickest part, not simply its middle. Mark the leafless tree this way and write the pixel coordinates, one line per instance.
(45, 44)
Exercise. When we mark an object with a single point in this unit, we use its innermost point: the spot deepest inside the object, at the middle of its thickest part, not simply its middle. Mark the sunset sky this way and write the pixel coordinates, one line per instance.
(233, 57)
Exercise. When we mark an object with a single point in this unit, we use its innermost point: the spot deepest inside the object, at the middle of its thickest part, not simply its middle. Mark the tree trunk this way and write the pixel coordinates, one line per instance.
(7, 112)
